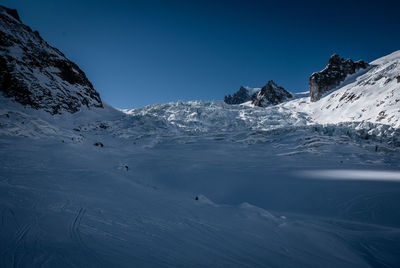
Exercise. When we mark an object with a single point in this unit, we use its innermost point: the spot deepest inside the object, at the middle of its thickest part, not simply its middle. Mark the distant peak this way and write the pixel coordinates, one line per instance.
(12, 12)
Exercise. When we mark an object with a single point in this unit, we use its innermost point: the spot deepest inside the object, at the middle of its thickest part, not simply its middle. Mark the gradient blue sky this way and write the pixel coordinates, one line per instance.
(143, 52)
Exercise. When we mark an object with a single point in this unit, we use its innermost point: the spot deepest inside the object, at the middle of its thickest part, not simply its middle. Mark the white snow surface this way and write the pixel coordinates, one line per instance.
(293, 185)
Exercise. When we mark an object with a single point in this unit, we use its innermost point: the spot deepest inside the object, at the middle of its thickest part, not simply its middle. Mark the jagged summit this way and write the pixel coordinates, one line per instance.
(271, 94)
(38, 75)
(332, 75)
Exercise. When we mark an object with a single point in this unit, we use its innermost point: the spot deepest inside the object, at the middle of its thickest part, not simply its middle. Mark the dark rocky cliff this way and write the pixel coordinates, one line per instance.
(37, 75)
(333, 74)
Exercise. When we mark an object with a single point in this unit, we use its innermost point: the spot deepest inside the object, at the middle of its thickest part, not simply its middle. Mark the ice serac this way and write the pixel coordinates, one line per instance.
(38, 75)
(333, 74)
(271, 94)
(242, 95)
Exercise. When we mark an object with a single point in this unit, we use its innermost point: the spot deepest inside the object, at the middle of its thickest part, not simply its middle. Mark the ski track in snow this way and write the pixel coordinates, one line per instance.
(74, 229)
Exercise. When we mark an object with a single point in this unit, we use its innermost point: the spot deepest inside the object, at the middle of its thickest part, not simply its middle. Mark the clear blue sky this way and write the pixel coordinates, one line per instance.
(143, 52)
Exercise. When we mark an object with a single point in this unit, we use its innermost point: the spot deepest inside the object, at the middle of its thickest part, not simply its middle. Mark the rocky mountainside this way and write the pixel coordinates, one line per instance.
(334, 73)
(271, 94)
(37, 75)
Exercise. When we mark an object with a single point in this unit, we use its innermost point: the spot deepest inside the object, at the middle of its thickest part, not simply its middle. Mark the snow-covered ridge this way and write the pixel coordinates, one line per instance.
(367, 96)
(333, 75)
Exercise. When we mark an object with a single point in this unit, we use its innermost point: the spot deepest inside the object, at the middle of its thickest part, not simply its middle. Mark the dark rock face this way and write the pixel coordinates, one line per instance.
(398, 79)
(35, 74)
(12, 12)
(241, 96)
(333, 74)
(271, 94)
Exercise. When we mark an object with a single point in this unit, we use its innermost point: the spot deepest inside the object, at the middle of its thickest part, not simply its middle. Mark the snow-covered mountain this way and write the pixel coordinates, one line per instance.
(194, 184)
(369, 95)
(35, 74)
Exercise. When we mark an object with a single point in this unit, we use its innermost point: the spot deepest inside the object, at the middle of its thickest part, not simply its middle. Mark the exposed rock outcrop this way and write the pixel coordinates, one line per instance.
(35, 74)
(99, 144)
(333, 74)
(242, 95)
(271, 94)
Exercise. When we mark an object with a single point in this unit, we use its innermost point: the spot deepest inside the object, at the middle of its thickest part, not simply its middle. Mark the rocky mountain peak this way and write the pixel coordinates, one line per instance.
(334, 73)
(334, 59)
(271, 94)
(244, 94)
(38, 75)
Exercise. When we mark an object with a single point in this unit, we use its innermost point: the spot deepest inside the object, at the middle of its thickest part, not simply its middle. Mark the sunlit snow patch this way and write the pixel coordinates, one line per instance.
(343, 174)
